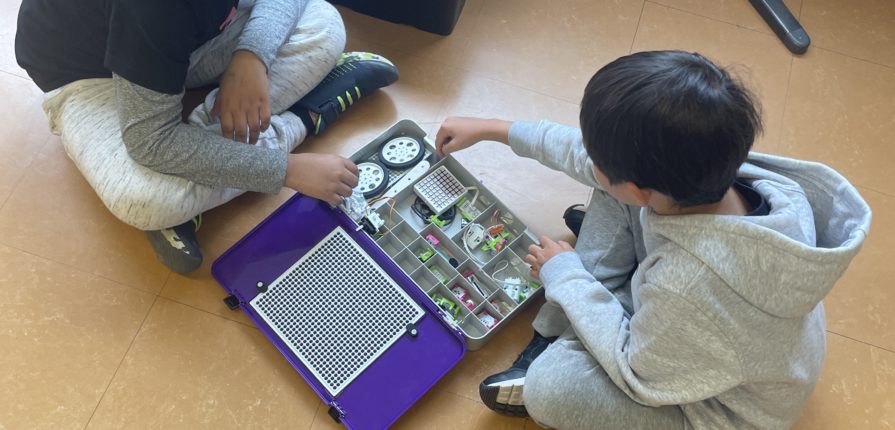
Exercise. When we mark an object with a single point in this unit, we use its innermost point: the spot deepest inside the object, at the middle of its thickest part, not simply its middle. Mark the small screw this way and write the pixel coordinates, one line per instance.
(412, 330)
(261, 287)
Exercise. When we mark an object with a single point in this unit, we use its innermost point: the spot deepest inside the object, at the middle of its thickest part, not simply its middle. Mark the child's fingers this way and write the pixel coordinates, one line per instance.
(226, 125)
(531, 260)
(254, 128)
(265, 116)
(349, 179)
(441, 138)
(240, 127)
(350, 166)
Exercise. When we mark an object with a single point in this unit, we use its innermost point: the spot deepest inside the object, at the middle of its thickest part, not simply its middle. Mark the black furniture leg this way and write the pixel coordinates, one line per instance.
(787, 27)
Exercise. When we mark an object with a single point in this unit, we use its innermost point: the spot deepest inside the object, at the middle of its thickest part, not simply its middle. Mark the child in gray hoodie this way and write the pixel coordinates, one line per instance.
(692, 299)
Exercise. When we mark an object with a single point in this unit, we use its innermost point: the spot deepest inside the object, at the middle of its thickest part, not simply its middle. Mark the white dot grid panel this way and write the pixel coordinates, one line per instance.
(337, 310)
(440, 190)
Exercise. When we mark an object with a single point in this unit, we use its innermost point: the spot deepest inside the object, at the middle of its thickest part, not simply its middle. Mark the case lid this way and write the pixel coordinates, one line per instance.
(347, 318)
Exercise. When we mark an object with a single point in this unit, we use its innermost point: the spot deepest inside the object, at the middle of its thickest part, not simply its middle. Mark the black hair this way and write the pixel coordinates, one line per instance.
(670, 121)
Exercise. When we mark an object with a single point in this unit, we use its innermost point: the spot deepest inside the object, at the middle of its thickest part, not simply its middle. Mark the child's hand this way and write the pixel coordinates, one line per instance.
(242, 101)
(323, 176)
(540, 255)
(457, 133)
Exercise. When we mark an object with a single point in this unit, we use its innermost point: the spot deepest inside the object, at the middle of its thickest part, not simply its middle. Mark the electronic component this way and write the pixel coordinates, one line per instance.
(471, 278)
(448, 306)
(463, 296)
(467, 209)
(488, 320)
(440, 190)
(401, 152)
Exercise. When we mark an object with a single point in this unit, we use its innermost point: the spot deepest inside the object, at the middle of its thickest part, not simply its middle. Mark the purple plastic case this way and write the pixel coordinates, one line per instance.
(394, 380)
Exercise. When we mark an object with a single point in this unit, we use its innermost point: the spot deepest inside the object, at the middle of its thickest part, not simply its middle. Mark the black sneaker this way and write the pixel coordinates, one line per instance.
(502, 392)
(356, 74)
(177, 247)
(574, 216)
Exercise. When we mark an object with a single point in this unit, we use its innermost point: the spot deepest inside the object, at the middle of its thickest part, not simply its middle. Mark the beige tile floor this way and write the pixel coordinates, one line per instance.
(96, 334)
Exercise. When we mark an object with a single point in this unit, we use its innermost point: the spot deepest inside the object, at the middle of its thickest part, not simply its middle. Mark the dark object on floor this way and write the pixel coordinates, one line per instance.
(177, 247)
(786, 26)
(434, 16)
(574, 216)
(502, 392)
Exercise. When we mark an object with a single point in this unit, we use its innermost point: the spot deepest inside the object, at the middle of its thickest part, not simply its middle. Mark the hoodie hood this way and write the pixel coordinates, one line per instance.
(791, 258)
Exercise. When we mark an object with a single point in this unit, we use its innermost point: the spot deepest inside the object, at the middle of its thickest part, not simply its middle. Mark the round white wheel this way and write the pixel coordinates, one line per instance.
(401, 152)
(372, 178)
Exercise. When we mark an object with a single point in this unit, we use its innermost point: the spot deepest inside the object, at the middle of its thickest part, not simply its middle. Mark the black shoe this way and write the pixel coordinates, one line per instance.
(502, 392)
(356, 74)
(177, 247)
(573, 217)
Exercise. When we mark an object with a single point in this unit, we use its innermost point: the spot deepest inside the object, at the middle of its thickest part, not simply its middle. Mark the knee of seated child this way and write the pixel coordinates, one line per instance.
(542, 388)
(147, 212)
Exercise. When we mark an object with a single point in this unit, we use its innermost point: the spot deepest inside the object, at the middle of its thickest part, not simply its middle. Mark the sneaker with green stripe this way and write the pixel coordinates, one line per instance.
(356, 75)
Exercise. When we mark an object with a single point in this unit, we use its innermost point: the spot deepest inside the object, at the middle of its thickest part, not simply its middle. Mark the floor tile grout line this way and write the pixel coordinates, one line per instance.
(833, 51)
(210, 312)
(637, 27)
(25, 171)
(792, 60)
(754, 30)
(76, 268)
(16, 75)
(121, 362)
(814, 45)
(872, 345)
(316, 414)
(869, 188)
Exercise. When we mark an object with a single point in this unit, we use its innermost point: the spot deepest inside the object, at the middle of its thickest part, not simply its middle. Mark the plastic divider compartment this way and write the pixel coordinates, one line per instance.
(471, 293)
(520, 245)
(389, 215)
(404, 207)
(508, 265)
(486, 307)
(446, 247)
(407, 261)
(390, 244)
(497, 214)
(485, 283)
(406, 234)
(468, 323)
(504, 303)
(484, 199)
(424, 279)
(441, 269)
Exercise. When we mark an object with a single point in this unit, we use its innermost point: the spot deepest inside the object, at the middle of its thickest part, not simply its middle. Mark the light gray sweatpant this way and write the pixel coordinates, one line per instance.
(565, 387)
(84, 113)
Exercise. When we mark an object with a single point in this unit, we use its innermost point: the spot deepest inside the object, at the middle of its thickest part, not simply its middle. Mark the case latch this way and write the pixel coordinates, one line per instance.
(336, 413)
(232, 302)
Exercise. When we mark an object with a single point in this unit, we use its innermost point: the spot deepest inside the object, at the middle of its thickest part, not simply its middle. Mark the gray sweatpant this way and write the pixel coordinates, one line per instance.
(565, 387)
(84, 114)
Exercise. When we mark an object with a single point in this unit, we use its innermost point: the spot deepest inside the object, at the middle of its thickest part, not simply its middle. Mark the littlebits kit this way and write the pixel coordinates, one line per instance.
(373, 301)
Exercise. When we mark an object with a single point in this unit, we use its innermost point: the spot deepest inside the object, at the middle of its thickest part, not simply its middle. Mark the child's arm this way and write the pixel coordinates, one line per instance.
(556, 146)
(156, 138)
(243, 101)
(668, 353)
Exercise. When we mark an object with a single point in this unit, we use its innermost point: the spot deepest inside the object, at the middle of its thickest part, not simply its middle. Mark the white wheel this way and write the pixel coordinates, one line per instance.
(372, 178)
(401, 152)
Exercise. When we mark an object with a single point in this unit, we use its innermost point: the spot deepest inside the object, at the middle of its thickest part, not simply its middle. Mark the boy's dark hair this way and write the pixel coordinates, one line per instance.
(670, 121)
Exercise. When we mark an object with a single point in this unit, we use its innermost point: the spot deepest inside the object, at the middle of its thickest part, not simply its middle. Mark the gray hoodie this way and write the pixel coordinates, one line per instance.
(727, 318)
